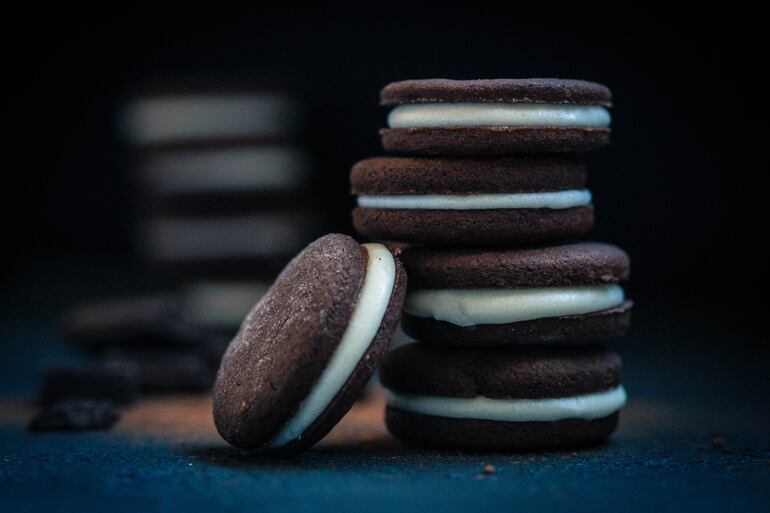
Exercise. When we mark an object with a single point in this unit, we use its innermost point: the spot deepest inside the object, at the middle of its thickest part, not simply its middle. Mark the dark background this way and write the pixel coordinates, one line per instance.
(678, 188)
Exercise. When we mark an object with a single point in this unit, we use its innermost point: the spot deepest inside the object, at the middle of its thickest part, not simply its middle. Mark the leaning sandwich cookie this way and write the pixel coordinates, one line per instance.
(521, 199)
(495, 117)
(306, 350)
(564, 294)
(522, 398)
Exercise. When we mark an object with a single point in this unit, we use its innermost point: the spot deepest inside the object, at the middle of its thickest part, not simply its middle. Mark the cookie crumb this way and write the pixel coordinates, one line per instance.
(489, 469)
(718, 443)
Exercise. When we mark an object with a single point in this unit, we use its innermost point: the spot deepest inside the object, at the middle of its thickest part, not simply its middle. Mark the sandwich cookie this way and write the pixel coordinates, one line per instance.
(526, 198)
(220, 305)
(180, 117)
(495, 117)
(567, 294)
(256, 235)
(306, 350)
(266, 169)
(523, 398)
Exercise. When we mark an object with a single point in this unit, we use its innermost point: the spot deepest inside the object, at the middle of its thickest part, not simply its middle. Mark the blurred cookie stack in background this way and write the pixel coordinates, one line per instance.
(484, 195)
(222, 196)
(223, 179)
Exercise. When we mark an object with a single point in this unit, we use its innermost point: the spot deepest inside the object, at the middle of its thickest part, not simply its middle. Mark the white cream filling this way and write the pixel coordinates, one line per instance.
(552, 200)
(498, 114)
(367, 316)
(586, 407)
(234, 169)
(165, 119)
(242, 236)
(470, 307)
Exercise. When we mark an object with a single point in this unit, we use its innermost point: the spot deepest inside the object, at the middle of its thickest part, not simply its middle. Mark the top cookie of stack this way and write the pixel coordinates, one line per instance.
(483, 162)
(495, 117)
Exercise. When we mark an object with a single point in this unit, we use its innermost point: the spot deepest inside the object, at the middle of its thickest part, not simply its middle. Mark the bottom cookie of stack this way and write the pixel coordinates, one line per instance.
(517, 399)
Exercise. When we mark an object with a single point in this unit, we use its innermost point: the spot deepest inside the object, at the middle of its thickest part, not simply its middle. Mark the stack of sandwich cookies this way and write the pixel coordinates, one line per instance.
(488, 189)
(224, 181)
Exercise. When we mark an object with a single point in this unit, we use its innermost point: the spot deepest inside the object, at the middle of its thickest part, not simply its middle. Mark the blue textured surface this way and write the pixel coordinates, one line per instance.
(687, 386)
(93, 472)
